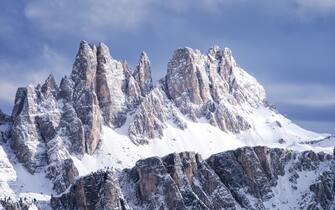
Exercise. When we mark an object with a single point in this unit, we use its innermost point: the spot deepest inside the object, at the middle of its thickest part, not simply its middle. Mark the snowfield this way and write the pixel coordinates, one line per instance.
(271, 129)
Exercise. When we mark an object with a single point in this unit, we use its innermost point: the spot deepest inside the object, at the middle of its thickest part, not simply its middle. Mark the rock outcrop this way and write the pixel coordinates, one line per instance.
(5, 126)
(4, 118)
(26, 139)
(152, 116)
(85, 100)
(212, 86)
(100, 190)
(248, 178)
(142, 74)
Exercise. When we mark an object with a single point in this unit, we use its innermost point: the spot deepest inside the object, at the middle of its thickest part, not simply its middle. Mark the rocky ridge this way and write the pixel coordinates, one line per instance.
(246, 178)
(51, 123)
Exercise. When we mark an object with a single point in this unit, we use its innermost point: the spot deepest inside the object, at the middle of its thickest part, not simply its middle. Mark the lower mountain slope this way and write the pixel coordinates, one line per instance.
(245, 178)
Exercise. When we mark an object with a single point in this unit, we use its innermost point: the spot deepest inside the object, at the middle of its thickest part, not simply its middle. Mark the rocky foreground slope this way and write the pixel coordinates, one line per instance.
(107, 114)
(246, 178)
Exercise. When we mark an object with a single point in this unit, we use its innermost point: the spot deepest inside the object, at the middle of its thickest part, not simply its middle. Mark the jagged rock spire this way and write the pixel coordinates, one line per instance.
(50, 86)
(186, 82)
(26, 138)
(66, 89)
(111, 87)
(142, 74)
(85, 100)
(85, 65)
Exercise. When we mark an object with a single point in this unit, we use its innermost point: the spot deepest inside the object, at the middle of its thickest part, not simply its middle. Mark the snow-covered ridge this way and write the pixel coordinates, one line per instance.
(106, 115)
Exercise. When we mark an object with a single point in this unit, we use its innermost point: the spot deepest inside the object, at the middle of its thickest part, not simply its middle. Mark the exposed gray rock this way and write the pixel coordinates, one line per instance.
(151, 117)
(111, 87)
(5, 126)
(62, 174)
(4, 118)
(212, 86)
(324, 191)
(142, 74)
(200, 187)
(149, 186)
(85, 100)
(246, 178)
(72, 128)
(66, 89)
(98, 191)
(26, 140)
(50, 87)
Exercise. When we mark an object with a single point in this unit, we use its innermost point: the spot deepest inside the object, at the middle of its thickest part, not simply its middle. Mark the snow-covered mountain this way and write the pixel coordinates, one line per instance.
(106, 115)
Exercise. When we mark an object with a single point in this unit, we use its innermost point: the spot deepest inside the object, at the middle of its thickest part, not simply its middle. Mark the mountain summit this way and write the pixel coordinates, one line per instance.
(106, 115)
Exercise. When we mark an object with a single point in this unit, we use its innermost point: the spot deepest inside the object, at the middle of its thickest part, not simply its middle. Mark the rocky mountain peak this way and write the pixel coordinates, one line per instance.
(142, 74)
(215, 52)
(50, 87)
(66, 88)
(84, 67)
(103, 50)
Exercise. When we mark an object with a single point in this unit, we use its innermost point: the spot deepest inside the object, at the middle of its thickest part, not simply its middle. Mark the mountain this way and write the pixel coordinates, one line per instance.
(104, 114)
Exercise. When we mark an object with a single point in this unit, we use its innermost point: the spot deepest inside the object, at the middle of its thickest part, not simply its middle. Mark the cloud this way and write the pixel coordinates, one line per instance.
(100, 19)
(308, 95)
(7, 89)
(316, 6)
(23, 72)
(87, 16)
(318, 126)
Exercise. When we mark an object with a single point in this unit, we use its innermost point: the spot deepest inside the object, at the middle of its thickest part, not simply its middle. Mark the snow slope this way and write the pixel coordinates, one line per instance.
(118, 151)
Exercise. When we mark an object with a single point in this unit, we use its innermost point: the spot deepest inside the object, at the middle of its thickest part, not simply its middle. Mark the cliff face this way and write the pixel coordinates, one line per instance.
(248, 178)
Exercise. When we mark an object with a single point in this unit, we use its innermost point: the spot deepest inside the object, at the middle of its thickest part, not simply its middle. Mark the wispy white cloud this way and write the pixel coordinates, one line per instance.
(101, 18)
(14, 75)
(309, 95)
(316, 6)
(87, 16)
(318, 126)
(7, 91)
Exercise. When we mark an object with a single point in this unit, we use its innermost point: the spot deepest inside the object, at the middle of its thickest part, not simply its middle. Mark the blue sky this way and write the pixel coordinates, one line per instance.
(288, 45)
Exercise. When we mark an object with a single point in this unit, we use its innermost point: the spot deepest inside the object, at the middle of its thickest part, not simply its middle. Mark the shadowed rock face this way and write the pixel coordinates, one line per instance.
(3, 118)
(26, 139)
(5, 122)
(62, 174)
(247, 178)
(100, 190)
